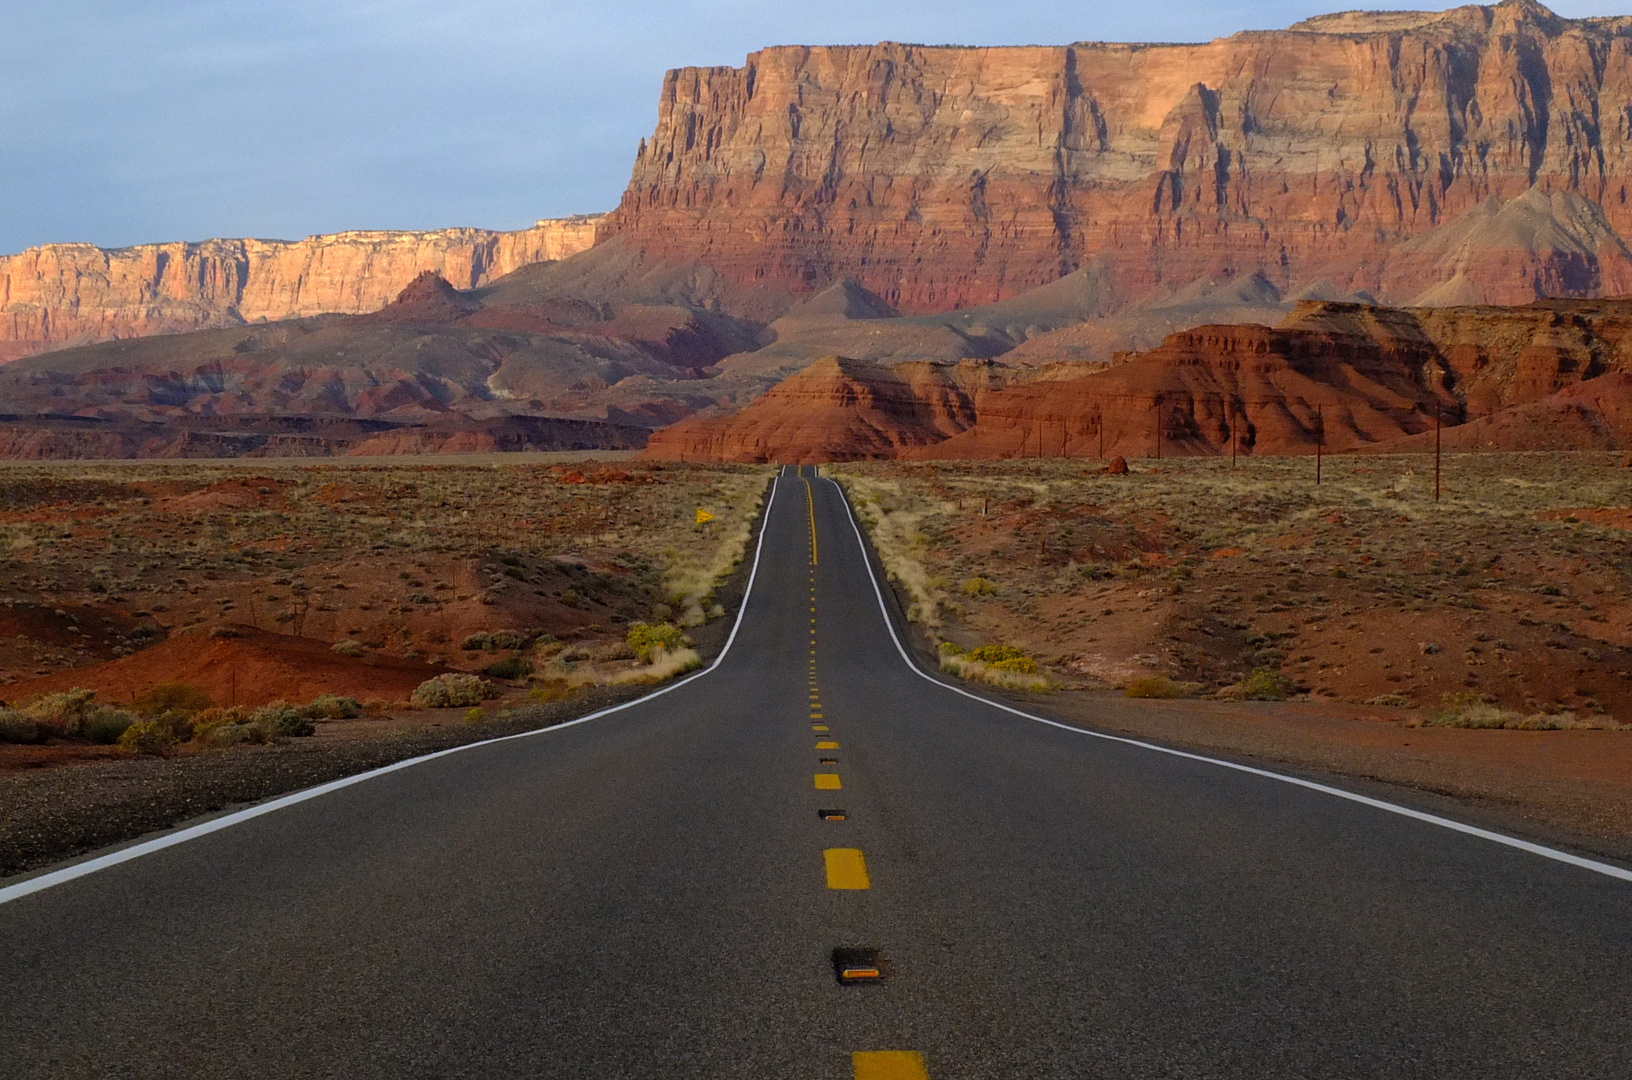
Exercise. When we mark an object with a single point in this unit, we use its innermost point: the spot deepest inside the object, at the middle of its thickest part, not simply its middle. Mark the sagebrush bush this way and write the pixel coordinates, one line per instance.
(452, 690)
(978, 586)
(279, 719)
(158, 735)
(1264, 684)
(348, 647)
(646, 639)
(17, 728)
(105, 726)
(333, 707)
(60, 715)
(511, 667)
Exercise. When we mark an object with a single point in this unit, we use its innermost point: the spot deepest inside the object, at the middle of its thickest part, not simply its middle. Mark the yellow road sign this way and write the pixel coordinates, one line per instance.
(703, 515)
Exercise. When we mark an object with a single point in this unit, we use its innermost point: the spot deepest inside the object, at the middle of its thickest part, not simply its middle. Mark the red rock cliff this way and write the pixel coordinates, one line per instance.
(62, 294)
(1496, 140)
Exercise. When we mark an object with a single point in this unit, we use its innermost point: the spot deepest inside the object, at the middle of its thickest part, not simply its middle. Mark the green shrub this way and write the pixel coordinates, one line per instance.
(333, 707)
(60, 714)
(647, 638)
(978, 586)
(279, 719)
(513, 667)
(17, 728)
(1003, 658)
(173, 697)
(1154, 686)
(159, 735)
(475, 715)
(452, 690)
(105, 726)
(1264, 684)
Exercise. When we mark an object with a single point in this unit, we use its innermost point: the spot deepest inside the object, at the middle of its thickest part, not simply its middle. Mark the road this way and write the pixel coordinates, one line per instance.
(653, 893)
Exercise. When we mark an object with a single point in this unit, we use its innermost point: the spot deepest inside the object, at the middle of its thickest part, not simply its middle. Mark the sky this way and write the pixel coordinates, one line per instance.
(130, 121)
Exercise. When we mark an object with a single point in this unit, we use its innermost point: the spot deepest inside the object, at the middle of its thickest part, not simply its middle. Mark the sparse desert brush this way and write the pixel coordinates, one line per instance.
(978, 586)
(452, 690)
(1158, 686)
(511, 667)
(1264, 684)
(159, 735)
(663, 665)
(17, 728)
(106, 726)
(348, 647)
(999, 665)
(333, 707)
(648, 638)
(60, 715)
(279, 719)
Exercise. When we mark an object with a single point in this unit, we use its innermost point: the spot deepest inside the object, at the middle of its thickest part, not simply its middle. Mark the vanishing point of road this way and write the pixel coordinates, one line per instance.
(676, 888)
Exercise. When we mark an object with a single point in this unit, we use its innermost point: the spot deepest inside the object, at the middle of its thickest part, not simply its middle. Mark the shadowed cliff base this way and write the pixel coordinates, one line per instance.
(1337, 377)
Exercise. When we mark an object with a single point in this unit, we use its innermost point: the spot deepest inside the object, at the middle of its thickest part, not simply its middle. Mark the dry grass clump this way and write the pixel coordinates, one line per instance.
(1474, 711)
(892, 515)
(998, 665)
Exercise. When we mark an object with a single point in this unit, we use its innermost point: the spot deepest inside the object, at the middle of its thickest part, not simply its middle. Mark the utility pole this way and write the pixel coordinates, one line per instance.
(1100, 423)
(1235, 424)
(1439, 414)
(1320, 439)
(1157, 405)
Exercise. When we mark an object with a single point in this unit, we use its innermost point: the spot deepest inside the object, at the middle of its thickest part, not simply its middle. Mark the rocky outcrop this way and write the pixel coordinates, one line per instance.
(66, 294)
(1479, 155)
(1205, 391)
(838, 409)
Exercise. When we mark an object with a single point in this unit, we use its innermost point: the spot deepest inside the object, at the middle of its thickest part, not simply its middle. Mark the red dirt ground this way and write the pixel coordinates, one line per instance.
(250, 669)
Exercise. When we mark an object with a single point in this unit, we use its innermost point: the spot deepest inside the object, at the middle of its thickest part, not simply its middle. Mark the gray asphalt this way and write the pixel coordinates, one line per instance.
(643, 895)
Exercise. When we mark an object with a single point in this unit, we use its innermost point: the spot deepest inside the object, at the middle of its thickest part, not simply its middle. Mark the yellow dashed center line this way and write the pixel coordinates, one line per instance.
(827, 781)
(810, 502)
(846, 869)
(889, 1065)
(827, 744)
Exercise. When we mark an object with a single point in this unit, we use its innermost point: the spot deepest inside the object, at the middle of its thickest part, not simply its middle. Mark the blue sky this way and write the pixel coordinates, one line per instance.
(125, 121)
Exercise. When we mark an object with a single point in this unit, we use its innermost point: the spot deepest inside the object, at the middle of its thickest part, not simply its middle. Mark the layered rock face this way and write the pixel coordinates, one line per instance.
(1479, 155)
(62, 294)
(838, 409)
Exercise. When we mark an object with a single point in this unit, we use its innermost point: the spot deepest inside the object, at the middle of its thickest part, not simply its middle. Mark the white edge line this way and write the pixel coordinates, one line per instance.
(181, 836)
(1378, 804)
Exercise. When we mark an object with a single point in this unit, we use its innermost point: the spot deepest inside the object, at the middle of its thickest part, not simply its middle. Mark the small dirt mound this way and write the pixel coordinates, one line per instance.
(251, 668)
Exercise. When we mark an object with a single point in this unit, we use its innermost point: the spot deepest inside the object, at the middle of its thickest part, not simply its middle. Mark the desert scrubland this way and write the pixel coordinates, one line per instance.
(1479, 646)
(178, 637)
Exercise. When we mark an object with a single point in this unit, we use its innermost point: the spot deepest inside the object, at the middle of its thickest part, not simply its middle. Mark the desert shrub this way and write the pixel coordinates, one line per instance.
(158, 735)
(173, 697)
(646, 639)
(333, 707)
(978, 586)
(1476, 711)
(484, 640)
(1003, 658)
(348, 647)
(279, 719)
(452, 690)
(227, 727)
(1155, 686)
(475, 715)
(17, 728)
(60, 714)
(512, 667)
(105, 726)
(1264, 684)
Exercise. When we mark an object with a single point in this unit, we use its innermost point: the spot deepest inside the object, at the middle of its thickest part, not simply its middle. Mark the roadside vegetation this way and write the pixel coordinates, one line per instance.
(1510, 596)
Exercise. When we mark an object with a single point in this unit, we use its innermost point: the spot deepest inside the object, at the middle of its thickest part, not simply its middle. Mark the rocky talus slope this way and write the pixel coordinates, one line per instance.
(838, 409)
(1348, 377)
(69, 294)
(1479, 155)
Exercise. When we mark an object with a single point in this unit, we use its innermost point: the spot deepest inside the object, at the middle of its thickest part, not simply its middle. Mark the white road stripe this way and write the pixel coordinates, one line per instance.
(32, 885)
(1394, 808)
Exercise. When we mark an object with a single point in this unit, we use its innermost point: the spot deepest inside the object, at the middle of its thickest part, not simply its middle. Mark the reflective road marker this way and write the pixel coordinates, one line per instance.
(846, 869)
(889, 1065)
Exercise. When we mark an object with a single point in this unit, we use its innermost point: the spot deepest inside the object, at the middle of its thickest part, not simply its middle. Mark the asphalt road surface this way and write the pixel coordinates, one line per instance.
(653, 893)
